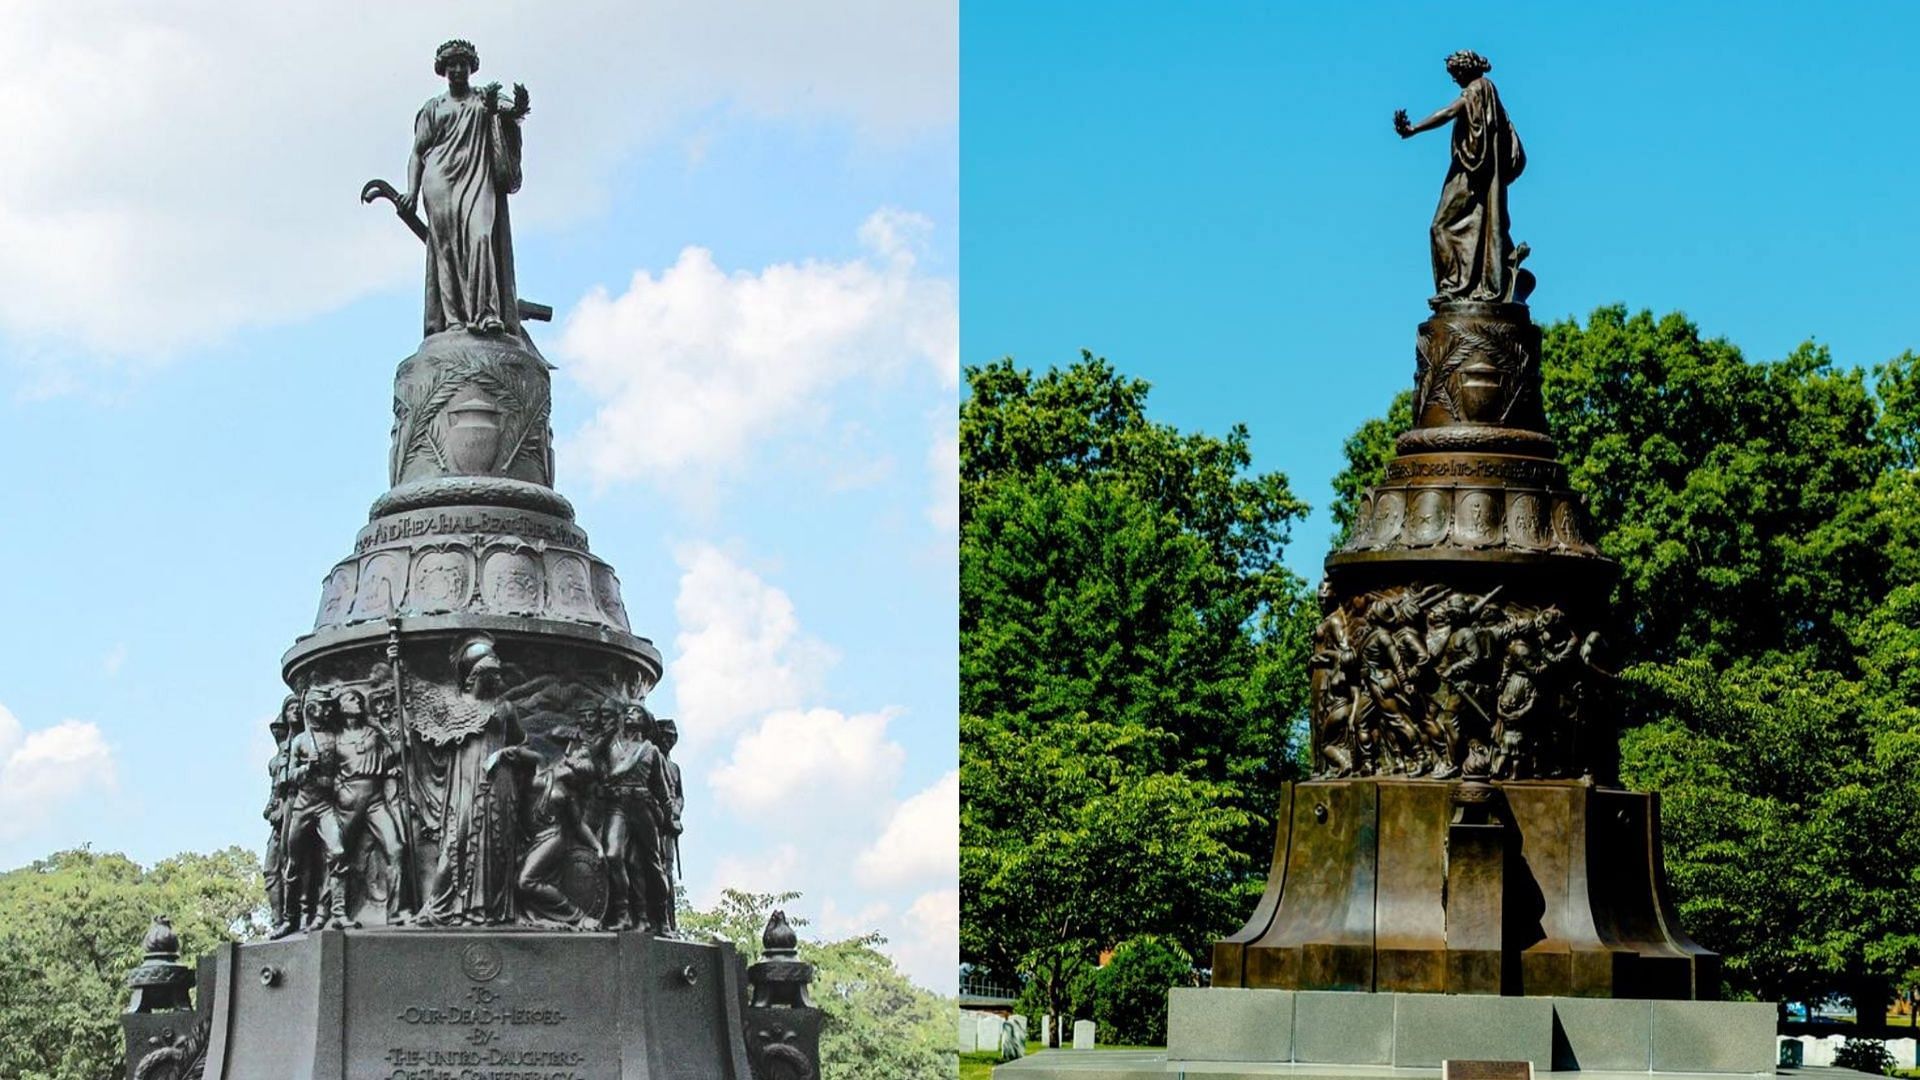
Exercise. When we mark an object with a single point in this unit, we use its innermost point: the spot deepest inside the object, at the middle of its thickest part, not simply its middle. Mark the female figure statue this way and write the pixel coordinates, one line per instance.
(465, 162)
(1474, 257)
(470, 764)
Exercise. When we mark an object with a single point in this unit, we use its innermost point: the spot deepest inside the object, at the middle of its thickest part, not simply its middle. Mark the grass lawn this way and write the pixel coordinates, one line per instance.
(979, 1066)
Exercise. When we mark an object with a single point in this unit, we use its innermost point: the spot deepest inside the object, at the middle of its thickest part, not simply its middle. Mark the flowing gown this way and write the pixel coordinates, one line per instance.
(470, 162)
(479, 819)
(1472, 240)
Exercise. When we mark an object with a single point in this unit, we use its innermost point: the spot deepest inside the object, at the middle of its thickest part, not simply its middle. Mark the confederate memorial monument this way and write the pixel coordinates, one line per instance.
(1462, 877)
(473, 818)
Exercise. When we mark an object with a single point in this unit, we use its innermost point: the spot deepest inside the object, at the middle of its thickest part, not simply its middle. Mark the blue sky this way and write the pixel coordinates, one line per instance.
(1212, 196)
(746, 217)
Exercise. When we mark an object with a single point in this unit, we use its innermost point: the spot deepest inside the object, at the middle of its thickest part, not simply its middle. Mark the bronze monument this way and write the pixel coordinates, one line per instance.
(1462, 831)
(473, 817)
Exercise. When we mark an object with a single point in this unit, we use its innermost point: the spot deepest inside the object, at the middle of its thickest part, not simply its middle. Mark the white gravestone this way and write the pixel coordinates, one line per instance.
(1046, 1030)
(1903, 1051)
(987, 1033)
(1083, 1034)
(968, 1042)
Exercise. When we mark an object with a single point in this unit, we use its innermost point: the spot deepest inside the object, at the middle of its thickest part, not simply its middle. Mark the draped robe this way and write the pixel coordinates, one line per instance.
(470, 160)
(1472, 241)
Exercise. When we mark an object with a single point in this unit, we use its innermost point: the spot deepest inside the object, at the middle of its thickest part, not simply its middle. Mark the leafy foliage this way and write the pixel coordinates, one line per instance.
(1129, 995)
(70, 932)
(1763, 518)
(879, 1025)
(1131, 669)
(1867, 1055)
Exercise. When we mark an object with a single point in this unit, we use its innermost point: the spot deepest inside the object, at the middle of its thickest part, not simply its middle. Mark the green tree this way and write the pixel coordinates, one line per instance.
(1129, 994)
(878, 1024)
(1131, 669)
(70, 932)
(1761, 515)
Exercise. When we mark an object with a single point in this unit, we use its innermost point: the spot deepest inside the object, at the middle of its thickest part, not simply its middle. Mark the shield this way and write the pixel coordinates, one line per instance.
(337, 594)
(1476, 518)
(584, 881)
(1389, 513)
(1525, 525)
(442, 579)
(383, 581)
(1568, 530)
(1427, 525)
(1362, 523)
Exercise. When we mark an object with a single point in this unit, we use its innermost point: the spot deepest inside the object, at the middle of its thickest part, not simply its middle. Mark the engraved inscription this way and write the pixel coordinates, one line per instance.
(1520, 470)
(467, 522)
(485, 1036)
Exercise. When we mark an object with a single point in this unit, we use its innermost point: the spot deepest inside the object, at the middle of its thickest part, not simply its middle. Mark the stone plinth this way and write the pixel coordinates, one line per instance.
(1224, 1033)
(343, 1005)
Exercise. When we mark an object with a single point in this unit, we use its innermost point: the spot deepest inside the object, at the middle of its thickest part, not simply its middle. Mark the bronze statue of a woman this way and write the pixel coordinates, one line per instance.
(1474, 257)
(465, 162)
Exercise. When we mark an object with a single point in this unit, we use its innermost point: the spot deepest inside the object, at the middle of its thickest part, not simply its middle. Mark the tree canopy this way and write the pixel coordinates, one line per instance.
(1131, 671)
(878, 1024)
(70, 932)
(1769, 600)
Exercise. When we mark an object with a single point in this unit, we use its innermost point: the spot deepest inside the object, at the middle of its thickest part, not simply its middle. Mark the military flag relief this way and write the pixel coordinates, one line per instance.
(473, 818)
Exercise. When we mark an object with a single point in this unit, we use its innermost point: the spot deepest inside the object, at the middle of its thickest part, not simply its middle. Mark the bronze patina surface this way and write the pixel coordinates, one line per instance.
(1461, 833)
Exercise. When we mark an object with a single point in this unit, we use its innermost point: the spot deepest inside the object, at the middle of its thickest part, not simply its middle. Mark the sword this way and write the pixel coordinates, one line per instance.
(380, 189)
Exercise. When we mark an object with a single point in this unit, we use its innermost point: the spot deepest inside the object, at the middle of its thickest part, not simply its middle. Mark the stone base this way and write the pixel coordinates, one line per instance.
(427, 1005)
(1422, 1030)
(1149, 1065)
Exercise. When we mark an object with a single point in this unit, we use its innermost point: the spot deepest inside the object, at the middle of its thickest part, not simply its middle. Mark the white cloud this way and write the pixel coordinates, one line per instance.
(765, 872)
(740, 651)
(943, 466)
(42, 769)
(806, 764)
(922, 841)
(928, 945)
(695, 368)
(175, 171)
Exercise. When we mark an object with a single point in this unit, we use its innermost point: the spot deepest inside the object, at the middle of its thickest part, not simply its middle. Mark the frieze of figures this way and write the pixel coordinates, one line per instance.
(1427, 680)
(472, 793)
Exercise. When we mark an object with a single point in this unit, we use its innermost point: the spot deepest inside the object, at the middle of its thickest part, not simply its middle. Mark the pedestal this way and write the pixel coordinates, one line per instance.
(1376, 887)
(432, 1005)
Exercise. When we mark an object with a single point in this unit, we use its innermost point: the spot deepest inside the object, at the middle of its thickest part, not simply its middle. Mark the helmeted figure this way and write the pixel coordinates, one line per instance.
(1344, 742)
(470, 786)
(465, 162)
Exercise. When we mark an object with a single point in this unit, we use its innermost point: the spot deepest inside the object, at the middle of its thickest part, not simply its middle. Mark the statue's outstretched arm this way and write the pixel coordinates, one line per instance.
(1444, 116)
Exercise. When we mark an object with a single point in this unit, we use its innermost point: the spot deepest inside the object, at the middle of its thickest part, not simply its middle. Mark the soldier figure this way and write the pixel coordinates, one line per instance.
(670, 827)
(1344, 743)
(369, 797)
(633, 841)
(274, 866)
(1394, 655)
(314, 819)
